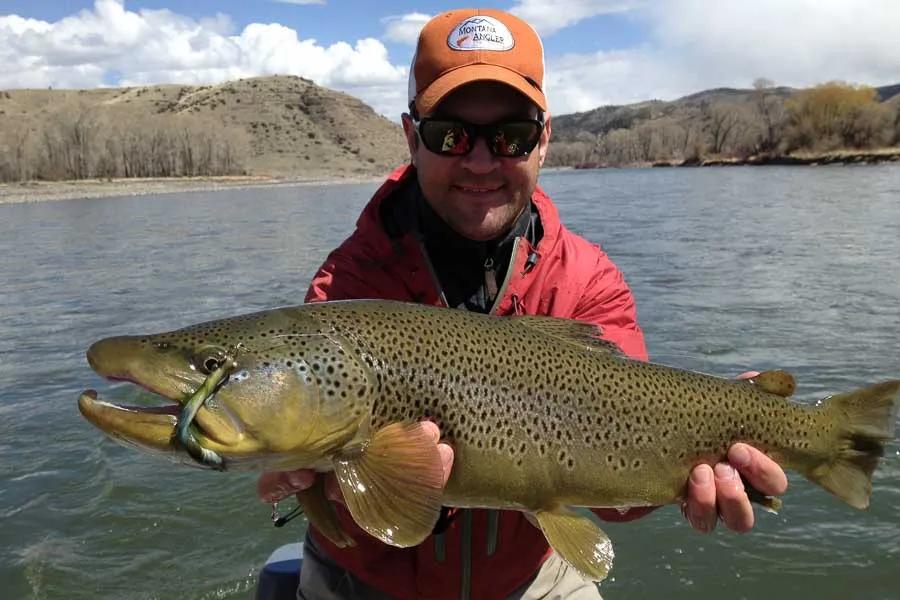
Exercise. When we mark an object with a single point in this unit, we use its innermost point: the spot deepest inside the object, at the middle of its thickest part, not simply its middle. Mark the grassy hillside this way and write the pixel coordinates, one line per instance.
(281, 125)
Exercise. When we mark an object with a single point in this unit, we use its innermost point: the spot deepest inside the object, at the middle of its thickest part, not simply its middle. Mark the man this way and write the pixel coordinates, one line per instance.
(465, 226)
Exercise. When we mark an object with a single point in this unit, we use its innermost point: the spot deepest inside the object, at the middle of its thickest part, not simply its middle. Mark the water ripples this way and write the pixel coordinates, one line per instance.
(732, 270)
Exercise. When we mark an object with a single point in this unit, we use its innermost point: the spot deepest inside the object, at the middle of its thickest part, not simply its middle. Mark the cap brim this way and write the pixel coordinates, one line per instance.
(442, 86)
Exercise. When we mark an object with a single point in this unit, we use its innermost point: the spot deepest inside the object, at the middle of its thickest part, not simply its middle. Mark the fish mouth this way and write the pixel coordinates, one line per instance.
(150, 428)
(154, 427)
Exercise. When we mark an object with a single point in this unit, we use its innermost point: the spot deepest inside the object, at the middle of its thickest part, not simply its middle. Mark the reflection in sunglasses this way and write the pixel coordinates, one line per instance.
(511, 139)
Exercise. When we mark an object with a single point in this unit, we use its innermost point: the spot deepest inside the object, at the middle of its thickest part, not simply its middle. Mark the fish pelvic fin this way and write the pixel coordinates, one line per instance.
(320, 513)
(393, 484)
(578, 540)
(866, 420)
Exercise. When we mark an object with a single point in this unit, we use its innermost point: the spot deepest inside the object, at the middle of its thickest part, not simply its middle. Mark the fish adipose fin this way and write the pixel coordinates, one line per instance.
(587, 335)
(393, 485)
(866, 419)
(578, 541)
(780, 383)
(320, 513)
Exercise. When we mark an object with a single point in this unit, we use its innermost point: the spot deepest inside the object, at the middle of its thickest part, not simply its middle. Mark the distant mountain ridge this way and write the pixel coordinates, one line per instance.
(716, 122)
(621, 116)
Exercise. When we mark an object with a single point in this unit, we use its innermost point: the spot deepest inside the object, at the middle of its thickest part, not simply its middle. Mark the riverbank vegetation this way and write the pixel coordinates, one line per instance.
(765, 125)
(85, 144)
(288, 127)
(278, 126)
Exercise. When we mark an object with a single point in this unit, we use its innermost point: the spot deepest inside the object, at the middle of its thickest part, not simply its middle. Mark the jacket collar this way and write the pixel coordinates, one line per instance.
(373, 226)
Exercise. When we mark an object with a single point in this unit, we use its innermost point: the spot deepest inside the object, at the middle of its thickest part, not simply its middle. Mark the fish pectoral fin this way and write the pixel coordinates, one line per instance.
(320, 513)
(580, 333)
(780, 383)
(393, 485)
(578, 541)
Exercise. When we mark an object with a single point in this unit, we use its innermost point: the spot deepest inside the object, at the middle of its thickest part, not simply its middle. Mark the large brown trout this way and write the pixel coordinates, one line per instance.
(542, 413)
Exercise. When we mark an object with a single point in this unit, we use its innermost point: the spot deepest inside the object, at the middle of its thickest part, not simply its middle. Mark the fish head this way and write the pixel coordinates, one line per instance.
(293, 395)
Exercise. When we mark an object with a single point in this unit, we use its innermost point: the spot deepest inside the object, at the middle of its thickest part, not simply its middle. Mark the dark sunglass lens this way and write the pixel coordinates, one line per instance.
(445, 137)
(516, 138)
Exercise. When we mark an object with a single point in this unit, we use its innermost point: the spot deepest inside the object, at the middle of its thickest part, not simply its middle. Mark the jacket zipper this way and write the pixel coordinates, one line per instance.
(440, 548)
(465, 583)
(502, 290)
(432, 272)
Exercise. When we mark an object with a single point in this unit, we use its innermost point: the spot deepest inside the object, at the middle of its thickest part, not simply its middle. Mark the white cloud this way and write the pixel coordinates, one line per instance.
(690, 45)
(159, 46)
(549, 17)
(404, 29)
(695, 45)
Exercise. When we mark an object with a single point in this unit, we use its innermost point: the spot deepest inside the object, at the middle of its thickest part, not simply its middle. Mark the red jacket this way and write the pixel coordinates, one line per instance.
(571, 278)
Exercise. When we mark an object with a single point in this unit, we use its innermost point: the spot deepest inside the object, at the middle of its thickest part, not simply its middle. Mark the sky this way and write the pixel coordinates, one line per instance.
(598, 52)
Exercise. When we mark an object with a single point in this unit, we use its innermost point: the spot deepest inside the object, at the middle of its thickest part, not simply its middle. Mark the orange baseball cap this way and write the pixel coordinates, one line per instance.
(461, 46)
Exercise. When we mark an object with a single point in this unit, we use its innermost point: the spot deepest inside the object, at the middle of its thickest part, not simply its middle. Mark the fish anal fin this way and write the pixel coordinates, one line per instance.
(578, 541)
(778, 382)
(575, 332)
(771, 504)
(320, 513)
(393, 484)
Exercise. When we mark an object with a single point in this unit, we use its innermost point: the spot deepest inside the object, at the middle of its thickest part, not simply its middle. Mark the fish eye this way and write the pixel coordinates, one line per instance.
(209, 360)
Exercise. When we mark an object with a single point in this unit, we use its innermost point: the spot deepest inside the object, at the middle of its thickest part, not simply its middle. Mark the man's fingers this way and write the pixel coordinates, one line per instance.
(446, 453)
(762, 472)
(747, 375)
(445, 450)
(274, 486)
(432, 429)
(700, 507)
(734, 505)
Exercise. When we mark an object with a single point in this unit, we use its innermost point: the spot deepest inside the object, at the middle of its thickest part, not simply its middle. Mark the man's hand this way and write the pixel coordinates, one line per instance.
(714, 492)
(275, 486)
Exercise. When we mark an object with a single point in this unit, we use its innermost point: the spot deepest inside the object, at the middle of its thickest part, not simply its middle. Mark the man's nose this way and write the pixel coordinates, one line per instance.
(479, 159)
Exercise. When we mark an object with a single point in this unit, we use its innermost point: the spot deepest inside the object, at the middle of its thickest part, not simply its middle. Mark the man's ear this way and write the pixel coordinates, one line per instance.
(544, 143)
(412, 138)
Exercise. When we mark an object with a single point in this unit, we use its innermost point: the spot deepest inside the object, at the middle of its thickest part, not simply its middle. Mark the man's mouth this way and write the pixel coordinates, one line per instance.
(478, 189)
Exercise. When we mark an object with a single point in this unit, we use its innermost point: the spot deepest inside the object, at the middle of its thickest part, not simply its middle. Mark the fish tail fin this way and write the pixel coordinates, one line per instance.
(865, 421)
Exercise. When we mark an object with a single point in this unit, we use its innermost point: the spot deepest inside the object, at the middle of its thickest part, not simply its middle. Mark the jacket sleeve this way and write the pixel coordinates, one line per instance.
(339, 278)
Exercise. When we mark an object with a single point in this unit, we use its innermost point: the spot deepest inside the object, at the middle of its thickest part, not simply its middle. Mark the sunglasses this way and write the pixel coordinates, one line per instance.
(507, 139)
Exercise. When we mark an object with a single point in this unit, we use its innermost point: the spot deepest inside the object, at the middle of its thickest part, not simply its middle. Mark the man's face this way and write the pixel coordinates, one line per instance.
(479, 195)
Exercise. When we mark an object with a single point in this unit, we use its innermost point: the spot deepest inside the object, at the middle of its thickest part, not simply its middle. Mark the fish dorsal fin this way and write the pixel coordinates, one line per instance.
(575, 332)
(321, 514)
(578, 541)
(780, 383)
(393, 484)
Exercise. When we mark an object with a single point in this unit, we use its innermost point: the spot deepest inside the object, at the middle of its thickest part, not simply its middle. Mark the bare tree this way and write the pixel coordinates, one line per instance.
(771, 112)
(721, 120)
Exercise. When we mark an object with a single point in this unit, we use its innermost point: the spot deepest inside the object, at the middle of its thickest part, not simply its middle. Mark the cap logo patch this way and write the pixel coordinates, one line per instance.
(481, 33)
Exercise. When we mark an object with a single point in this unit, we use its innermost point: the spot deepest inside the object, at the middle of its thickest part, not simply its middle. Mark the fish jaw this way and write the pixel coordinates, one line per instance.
(170, 374)
(149, 429)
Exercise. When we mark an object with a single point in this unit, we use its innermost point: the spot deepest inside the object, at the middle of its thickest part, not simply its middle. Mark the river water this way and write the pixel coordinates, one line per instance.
(732, 269)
